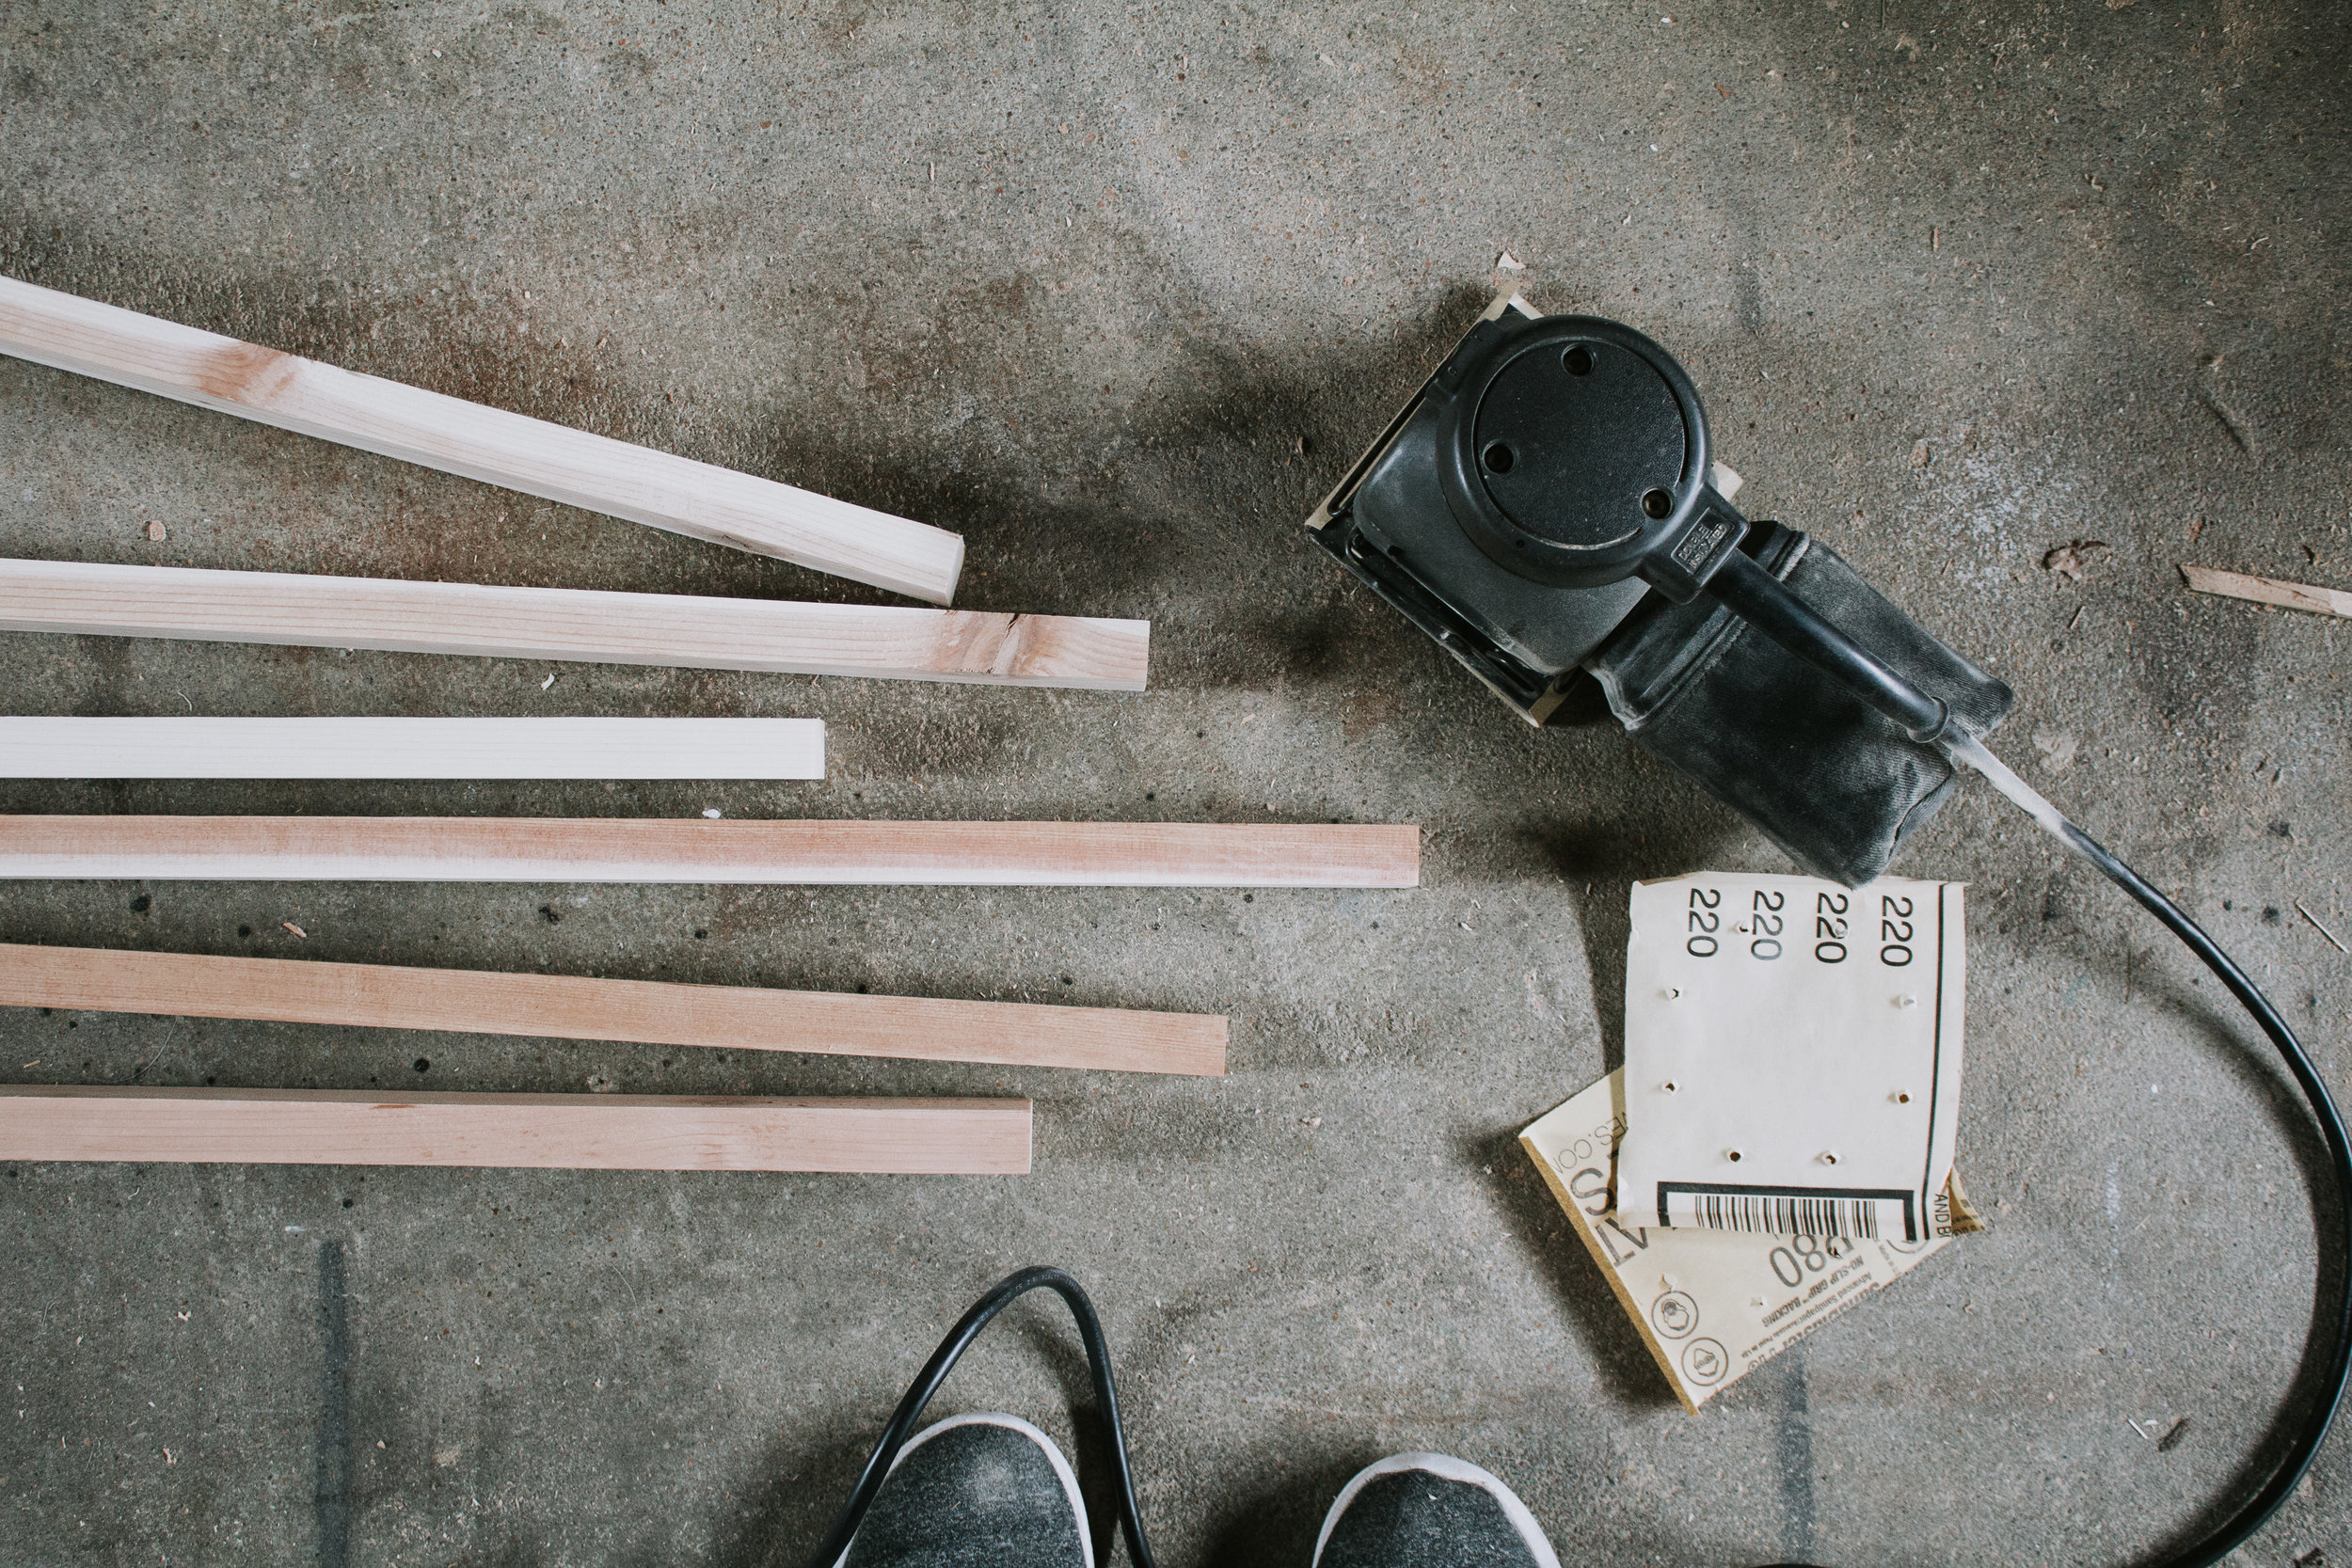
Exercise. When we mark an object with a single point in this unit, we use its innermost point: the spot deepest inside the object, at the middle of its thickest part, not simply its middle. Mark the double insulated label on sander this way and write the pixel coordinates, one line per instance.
(1792, 1057)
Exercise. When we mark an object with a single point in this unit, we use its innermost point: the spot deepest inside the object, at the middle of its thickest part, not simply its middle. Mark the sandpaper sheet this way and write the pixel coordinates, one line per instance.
(1711, 1305)
(1793, 1053)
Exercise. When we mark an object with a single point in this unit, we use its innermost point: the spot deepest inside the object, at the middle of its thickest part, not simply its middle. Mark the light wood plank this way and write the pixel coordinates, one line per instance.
(668, 849)
(536, 1132)
(573, 1007)
(554, 461)
(889, 641)
(566, 748)
(2271, 591)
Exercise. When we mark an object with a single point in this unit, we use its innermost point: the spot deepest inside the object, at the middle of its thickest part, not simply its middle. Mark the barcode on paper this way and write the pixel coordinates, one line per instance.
(1854, 1215)
(1789, 1216)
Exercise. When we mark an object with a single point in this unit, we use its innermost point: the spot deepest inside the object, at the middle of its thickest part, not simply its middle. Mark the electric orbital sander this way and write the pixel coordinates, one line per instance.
(1547, 506)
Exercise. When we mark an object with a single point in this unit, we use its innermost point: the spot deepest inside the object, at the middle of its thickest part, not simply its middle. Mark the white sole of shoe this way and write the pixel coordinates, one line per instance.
(1446, 1467)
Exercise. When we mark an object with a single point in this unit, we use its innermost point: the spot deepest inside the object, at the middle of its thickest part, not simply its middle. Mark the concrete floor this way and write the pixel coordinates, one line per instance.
(1117, 292)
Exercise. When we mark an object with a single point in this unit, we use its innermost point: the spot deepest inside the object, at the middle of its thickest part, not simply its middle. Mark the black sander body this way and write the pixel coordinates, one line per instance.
(1546, 508)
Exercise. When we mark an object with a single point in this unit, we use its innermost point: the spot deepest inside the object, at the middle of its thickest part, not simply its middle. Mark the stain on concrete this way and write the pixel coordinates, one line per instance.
(331, 1488)
(1792, 1454)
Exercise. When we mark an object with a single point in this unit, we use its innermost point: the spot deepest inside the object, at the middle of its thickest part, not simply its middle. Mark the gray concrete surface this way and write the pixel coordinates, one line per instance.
(1962, 282)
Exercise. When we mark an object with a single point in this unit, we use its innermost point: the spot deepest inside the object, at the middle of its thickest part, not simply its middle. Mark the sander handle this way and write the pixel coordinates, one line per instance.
(1764, 602)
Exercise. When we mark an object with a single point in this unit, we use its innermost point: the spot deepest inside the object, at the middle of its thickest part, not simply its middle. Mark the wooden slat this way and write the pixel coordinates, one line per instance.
(489, 444)
(667, 850)
(565, 1006)
(2271, 591)
(892, 642)
(568, 748)
(541, 1132)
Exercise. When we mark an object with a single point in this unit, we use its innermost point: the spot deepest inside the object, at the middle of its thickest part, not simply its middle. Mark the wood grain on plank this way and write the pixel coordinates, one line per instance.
(667, 850)
(565, 1006)
(531, 456)
(891, 641)
(2270, 591)
(542, 1132)
(175, 747)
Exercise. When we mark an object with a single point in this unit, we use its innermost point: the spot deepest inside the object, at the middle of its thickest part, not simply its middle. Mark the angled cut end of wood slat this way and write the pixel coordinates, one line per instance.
(1081, 653)
(2270, 591)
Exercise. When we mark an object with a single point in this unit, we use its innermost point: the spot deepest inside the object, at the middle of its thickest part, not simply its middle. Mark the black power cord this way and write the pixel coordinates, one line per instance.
(934, 1372)
(1766, 603)
(2235, 1530)
(2297, 1460)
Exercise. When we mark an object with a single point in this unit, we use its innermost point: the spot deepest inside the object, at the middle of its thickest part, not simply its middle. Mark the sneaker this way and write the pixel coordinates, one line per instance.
(985, 1491)
(1429, 1511)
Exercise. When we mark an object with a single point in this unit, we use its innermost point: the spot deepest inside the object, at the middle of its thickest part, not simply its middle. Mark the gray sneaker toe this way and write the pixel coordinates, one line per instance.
(976, 1492)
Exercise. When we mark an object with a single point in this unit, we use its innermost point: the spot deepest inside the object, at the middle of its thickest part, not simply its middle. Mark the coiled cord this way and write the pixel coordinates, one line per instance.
(2235, 1530)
